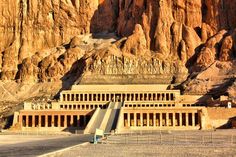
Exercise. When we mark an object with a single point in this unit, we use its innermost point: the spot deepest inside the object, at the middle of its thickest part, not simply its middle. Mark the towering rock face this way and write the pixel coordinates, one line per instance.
(168, 25)
(31, 26)
(178, 28)
(47, 40)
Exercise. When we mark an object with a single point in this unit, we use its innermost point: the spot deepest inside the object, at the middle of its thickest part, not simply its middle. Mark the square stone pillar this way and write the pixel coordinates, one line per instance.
(160, 98)
(33, 120)
(154, 119)
(71, 120)
(46, 120)
(141, 119)
(180, 119)
(186, 118)
(193, 119)
(77, 121)
(160, 118)
(167, 119)
(148, 119)
(20, 120)
(40, 121)
(135, 119)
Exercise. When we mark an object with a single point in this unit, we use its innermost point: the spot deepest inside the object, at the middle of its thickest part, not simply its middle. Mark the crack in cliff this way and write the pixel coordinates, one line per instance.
(21, 29)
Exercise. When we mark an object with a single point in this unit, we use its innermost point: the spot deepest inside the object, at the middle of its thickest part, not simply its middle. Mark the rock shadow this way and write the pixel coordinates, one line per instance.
(72, 75)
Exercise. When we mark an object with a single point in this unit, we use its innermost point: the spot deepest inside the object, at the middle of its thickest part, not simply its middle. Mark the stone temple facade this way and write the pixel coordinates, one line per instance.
(120, 108)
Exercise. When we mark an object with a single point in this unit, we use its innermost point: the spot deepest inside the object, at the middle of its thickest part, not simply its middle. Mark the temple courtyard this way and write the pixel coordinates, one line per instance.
(162, 143)
(145, 143)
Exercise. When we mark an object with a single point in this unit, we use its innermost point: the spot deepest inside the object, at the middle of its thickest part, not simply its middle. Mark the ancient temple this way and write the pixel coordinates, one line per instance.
(121, 108)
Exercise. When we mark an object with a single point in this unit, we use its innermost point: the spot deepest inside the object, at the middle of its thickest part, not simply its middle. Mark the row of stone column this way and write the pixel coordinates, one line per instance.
(161, 119)
(82, 106)
(119, 97)
(53, 120)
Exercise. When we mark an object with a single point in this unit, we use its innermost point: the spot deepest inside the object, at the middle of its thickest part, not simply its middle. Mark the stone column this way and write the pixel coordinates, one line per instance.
(160, 118)
(83, 98)
(148, 119)
(193, 119)
(160, 98)
(154, 119)
(141, 119)
(71, 120)
(27, 121)
(53, 119)
(135, 119)
(33, 120)
(186, 117)
(128, 115)
(180, 119)
(20, 120)
(167, 119)
(40, 121)
(46, 120)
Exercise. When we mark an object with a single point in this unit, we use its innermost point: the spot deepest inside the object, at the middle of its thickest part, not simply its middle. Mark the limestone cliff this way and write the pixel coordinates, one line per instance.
(48, 41)
(31, 26)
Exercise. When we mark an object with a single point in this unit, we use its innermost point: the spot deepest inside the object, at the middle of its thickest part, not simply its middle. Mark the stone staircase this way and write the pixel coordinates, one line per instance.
(104, 119)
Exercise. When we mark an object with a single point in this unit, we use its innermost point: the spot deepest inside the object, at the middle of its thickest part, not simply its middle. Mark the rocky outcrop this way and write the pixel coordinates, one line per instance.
(31, 26)
(136, 43)
(49, 41)
(208, 53)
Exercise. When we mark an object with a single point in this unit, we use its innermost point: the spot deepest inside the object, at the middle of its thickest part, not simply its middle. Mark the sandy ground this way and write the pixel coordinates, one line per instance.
(14, 139)
(143, 150)
(222, 146)
(35, 145)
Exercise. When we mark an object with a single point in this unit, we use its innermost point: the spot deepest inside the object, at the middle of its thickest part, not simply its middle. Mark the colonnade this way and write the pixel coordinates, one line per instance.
(83, 106)
(161, 119)
(146, 105)
(164, 96)
(54, 120)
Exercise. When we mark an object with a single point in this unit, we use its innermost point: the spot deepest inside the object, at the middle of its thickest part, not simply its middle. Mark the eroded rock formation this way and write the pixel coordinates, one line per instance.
(46, 41)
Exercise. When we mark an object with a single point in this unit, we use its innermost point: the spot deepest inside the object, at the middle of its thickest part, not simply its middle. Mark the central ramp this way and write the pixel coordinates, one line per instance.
(104, 119)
